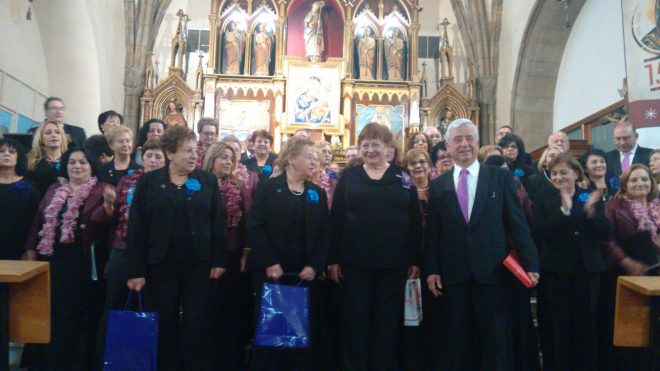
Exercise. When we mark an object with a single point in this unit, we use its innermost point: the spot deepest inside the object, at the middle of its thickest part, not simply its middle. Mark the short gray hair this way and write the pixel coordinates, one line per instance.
(457, 124)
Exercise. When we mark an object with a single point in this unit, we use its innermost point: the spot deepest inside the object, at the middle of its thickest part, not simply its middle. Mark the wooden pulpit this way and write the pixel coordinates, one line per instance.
(636, 310)
(24, 304)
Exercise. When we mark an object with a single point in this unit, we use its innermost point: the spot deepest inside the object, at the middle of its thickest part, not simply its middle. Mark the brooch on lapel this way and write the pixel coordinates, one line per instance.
(267, 169)
(406, 180)
(312, 196)
(192, 186)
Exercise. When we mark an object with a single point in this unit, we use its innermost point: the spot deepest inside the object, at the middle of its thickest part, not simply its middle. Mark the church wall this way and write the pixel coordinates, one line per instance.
(514, 20)
(593, 68)
(76, 35)
(23, 71)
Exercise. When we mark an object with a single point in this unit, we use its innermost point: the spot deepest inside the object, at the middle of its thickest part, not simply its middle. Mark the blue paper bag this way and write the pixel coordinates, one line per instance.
(283, 320)
(131, 341)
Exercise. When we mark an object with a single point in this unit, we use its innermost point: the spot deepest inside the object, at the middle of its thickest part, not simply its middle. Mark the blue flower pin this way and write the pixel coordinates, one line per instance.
(313, 196)
(129, 195)
(267, 169)
(615, 183)
(22, 185)
(130, 171)
(58, 166)
(583, 197)
(519, 173)
(192, 186)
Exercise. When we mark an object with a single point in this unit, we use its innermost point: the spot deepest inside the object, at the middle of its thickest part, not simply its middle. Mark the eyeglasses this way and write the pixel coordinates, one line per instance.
(57, 109)
(415, 163)
(208, 133)
(374, 146)
(511, 147)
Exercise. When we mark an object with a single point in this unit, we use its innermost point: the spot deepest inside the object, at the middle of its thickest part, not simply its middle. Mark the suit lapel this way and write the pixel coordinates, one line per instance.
(449, 189)
(616, 164)
(481, 194)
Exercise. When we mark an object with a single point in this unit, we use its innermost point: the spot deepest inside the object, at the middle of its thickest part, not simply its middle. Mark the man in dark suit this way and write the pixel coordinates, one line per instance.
(473, 212)
(627, 150)
(54, 109)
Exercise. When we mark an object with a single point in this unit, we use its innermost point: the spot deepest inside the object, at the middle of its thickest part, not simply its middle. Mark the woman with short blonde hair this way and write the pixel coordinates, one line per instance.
(120, 140)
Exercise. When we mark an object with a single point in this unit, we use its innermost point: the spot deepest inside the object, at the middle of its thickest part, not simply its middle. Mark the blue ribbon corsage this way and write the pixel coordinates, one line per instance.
(58, 166)
(519, 173)
(130, 171)
(267, 169)
(129, 195)
(615, 183)
(313, 196)
(22, 185)
(192, 186)
(583, 197)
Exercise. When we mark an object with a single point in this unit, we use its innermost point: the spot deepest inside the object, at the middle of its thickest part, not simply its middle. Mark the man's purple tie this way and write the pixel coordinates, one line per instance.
(462, 193)
(625, 164)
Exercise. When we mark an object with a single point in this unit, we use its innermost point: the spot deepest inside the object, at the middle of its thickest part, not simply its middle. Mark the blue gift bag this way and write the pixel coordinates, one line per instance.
(283, 320)
(131, 341)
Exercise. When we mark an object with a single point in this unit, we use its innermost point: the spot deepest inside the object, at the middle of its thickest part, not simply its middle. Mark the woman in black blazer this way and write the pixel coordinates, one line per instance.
(177, 241)
(569, 225)
(377, 231)
(540, 181)
(288, 233)
(120, 140)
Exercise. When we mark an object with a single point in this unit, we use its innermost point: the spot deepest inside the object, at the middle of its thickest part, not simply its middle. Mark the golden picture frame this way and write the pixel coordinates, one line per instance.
(313, 95)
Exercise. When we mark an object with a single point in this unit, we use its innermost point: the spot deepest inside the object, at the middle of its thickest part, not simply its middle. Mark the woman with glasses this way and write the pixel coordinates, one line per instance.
(440, 160)
(513, 149)
(207, 128)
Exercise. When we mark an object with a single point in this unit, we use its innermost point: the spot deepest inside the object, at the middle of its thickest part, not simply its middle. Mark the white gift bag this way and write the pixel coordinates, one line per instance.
(412, 312)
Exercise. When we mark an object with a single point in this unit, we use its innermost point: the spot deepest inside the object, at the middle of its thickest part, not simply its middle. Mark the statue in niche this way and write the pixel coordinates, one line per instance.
(394, 48)
(313, 34)
(263, 46)
(173, 115)
(446, 54)
(366, 54)
(446, 120)
(233, 49)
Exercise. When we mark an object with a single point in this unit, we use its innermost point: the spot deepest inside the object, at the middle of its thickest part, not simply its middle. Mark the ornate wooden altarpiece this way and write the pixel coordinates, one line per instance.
(328, 66)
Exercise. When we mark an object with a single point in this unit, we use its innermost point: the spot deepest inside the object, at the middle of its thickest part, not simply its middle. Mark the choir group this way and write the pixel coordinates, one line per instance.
(198, 225)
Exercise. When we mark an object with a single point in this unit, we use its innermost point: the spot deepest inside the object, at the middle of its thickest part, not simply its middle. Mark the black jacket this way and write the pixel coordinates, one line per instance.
(458, 250)
(567, 241)
(376, 223)
(76, 133)
(151, 221)
(613, 158)
(251, 164)
(108, 174)
(269, 222)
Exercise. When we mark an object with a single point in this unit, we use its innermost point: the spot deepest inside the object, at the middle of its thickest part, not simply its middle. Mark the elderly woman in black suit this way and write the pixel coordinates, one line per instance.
(377, 229)
(177, 242)
(120, 140)
(288, 233)
(569, 223)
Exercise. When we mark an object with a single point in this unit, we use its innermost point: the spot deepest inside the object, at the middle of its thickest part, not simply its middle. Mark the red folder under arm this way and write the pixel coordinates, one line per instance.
(513, 264)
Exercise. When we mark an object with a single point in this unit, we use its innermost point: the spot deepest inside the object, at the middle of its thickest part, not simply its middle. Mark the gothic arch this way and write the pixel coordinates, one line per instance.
(539, 59)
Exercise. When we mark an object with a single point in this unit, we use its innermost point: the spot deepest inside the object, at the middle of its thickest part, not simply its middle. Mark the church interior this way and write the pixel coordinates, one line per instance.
(538, 66)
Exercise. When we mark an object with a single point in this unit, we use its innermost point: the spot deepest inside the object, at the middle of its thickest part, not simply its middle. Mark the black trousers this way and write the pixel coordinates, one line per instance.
(371, 318)
(74, 302)
(232, 302)
(179, 290)
(571, 302)
(475, 327)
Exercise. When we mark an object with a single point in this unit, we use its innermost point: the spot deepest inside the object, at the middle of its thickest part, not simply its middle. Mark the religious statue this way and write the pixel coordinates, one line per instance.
(446, 54)
(446, 120)
(263, 45)
(233, 49)
(313, 34)
(652, 39)
(173, 115)
(394, 49)
(366, 54)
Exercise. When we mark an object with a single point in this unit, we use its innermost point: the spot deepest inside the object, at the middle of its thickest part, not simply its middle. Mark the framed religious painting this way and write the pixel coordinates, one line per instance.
(391, 116)
(313, 92)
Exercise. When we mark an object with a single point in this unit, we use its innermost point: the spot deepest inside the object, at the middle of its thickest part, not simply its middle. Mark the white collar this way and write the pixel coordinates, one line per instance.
(473, 169)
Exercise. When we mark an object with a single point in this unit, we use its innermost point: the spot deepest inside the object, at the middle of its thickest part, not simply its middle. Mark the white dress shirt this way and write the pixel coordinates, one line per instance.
(632, 154)
(472, 176)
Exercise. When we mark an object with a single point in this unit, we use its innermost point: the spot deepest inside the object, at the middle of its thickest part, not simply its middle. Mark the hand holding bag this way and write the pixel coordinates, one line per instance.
(131, 342)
